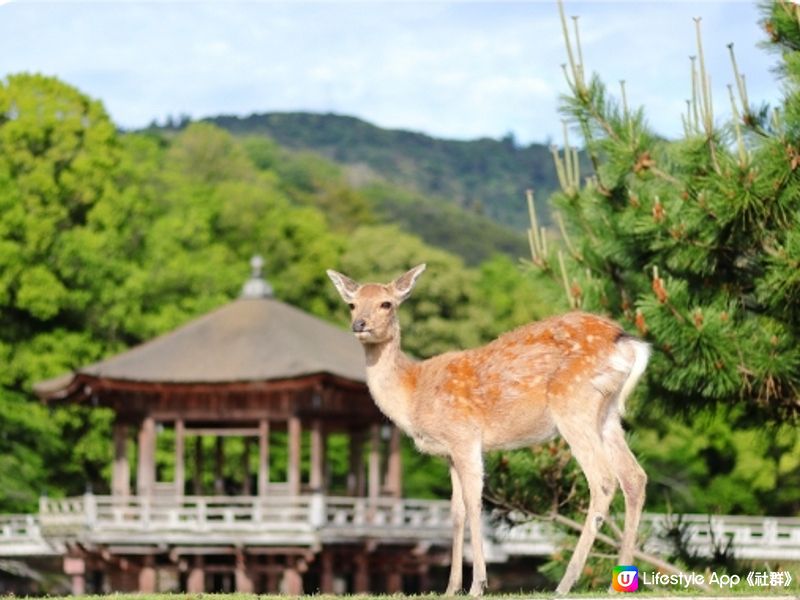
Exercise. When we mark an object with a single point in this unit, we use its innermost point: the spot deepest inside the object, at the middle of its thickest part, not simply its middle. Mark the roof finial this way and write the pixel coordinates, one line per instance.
(256, 263)
(256, 286)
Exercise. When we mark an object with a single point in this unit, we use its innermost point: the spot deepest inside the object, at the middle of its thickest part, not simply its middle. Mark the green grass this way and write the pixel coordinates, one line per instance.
(739, 594)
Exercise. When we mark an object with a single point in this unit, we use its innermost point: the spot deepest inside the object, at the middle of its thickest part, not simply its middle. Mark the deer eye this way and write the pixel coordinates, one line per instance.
(351, 306)
(386, 305)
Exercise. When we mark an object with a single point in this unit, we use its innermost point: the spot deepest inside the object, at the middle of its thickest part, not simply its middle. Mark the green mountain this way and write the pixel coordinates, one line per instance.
(486, 177)
(310, 179)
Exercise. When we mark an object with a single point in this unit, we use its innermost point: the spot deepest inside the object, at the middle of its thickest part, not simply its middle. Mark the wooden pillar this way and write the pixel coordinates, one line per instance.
(273, 576)
(317, 456)
(326, 573)
(375, 462)
(75, 568)
(355, 478)
(361, 575)
(326, 466)
(198, 466)
(263, 457)
(244, 583)
(147, 575)
(292, 584)
(295, 441)
(146, 468)
(219, 461)
(180, 469)
(78, 584)
(121, 577)
(196, 581)
(121, 472)
(247, 489)
(394, 470)
(424, 579)
(394, 582)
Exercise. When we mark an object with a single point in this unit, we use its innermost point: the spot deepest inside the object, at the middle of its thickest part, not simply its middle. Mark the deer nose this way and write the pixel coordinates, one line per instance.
(359, 325)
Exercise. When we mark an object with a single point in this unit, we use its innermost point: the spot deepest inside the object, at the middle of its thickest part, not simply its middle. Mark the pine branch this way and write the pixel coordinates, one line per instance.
(564, 236)
(739, 139)
(695, 101)
(555, 517)
(740, 83)
(537, 236)
(707, 105)
(654, 560)
(572, 297)
(625, 112)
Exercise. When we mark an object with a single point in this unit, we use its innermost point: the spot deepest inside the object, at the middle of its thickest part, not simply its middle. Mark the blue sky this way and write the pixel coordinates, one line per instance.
(452, 69)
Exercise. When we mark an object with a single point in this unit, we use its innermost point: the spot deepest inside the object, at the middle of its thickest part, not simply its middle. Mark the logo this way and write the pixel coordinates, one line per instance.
(625, 578)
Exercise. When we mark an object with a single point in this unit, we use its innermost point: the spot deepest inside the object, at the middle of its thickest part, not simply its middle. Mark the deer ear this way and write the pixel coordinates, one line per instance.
(346, 286)
(405, 283)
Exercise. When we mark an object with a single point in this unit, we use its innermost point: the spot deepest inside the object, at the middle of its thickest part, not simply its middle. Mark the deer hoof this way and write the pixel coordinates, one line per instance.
(477, 588)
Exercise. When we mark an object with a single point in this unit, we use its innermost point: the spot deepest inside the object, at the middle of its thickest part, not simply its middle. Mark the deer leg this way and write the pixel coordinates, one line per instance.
(632, 480)
(587, 448)
(458, 512)
(469, 466)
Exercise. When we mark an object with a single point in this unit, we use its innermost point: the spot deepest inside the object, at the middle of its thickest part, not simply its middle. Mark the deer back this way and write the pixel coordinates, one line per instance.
(508, 389)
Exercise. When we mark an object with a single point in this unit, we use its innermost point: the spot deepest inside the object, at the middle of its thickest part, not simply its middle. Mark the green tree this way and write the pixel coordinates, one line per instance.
(704, 465)
(109, 239)
(690, 242)
(694, 242)
(58, 153)
(512, 295)
(310, 180)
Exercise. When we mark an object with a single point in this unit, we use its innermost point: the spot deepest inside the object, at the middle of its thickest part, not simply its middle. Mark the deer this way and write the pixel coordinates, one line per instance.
(567, 375)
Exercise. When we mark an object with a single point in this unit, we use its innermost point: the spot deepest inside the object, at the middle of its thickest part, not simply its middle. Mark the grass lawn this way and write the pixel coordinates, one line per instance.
(744, 594)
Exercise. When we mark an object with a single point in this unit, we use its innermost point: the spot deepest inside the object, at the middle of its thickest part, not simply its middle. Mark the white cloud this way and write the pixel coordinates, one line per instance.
(459, 69)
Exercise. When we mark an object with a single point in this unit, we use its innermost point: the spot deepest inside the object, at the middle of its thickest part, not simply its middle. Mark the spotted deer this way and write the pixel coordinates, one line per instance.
(567, 375)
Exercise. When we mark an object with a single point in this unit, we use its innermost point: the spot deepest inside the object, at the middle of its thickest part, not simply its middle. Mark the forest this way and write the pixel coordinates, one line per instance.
(481, 176)
(109, 237)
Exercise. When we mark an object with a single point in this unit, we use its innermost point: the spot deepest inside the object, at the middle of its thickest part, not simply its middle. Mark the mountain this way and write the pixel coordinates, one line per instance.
(485, 176)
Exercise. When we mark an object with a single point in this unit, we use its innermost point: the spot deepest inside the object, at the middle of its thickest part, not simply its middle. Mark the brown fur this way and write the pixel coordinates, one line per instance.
(568, 374)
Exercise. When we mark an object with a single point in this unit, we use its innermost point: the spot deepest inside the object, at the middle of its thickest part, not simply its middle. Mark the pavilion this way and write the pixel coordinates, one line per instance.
(269, 374)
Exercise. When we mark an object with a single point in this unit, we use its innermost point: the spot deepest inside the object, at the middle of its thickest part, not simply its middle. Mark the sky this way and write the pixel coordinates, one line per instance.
(455, 69)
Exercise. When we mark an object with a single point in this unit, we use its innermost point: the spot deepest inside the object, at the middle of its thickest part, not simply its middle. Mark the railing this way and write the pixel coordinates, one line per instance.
(331, 517)
(20, 535)
(529, 538)
(750, 537)
(311, 519)
(196, 513)
(387, 518)
(753, 538)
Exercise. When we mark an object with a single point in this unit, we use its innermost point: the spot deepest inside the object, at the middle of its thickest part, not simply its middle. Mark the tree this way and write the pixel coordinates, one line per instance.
(58, 152)
(693, 242)
(107, 240)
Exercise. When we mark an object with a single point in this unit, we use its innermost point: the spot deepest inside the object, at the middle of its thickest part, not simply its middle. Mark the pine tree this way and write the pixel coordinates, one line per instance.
(693, 242)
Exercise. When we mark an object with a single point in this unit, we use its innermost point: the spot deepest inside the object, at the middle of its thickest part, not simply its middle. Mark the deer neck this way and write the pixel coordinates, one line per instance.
(391, 377)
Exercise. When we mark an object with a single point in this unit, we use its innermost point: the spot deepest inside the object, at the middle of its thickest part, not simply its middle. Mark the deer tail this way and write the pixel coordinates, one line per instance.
(641, 355)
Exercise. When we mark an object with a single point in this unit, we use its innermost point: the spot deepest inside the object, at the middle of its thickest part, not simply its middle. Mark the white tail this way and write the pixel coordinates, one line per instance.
(641, 352)
(568, 375)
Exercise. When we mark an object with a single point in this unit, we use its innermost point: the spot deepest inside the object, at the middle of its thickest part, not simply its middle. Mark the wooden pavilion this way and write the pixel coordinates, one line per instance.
(267, 373)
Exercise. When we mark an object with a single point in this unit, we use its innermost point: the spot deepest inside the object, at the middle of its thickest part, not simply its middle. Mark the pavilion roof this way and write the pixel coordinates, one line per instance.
(254, 338)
